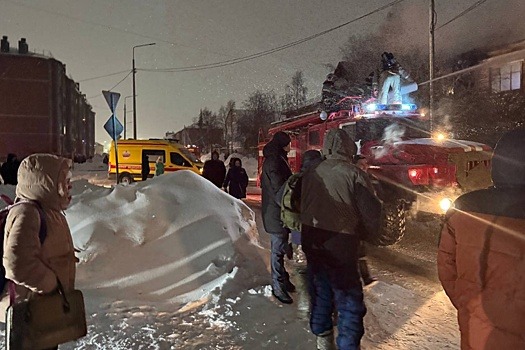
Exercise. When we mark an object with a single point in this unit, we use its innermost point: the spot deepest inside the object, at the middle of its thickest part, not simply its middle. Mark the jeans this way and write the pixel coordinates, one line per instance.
(326, 299)
(279, 245)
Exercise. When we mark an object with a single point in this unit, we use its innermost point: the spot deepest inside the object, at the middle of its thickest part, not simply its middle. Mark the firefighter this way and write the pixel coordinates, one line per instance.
(390, 76)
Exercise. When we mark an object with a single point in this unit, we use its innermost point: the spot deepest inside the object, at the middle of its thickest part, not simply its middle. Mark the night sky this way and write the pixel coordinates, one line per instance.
(95, 38)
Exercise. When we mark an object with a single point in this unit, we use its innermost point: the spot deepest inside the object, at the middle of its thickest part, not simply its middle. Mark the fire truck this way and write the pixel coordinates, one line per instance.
(413, 171)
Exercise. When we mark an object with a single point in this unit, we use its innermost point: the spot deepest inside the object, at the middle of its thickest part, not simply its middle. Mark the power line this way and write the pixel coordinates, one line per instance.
(463, 13)
(104, 76)
(269, 51)
(117, 84)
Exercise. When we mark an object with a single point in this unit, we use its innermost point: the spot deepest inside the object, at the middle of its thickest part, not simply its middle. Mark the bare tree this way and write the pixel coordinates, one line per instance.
(259, 111)
(226, 117)
(295, 93)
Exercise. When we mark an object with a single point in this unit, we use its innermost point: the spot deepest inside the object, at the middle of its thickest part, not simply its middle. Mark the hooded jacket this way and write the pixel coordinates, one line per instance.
(328, 191)
(275, 171)
(330, 216)
(32, 266)
(236, 180)
(481, 257)
(214, 170)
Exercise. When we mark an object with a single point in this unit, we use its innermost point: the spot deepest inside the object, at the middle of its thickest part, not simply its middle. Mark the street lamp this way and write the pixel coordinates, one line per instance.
(134, 94)
(125, 114)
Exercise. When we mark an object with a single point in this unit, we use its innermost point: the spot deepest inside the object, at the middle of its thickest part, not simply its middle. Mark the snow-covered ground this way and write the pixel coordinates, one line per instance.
(175, 263)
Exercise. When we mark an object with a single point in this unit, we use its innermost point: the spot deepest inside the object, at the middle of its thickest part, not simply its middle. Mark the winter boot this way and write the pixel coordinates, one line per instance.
(365, 273)
(282, 295)
(325, 341)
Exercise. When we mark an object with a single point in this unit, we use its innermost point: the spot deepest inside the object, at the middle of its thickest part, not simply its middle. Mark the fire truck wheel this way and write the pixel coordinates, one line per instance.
(394, 223)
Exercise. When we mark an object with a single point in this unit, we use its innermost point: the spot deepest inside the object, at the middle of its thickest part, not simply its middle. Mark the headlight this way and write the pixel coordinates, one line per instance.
(445, 204)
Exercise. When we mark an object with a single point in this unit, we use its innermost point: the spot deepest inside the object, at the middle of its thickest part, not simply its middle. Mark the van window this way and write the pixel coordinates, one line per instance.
(179, 160)
(153, 154)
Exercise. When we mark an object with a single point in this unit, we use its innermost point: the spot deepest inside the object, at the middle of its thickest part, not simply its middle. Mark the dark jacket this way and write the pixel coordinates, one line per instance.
(275, 171)
(481, 257)
(9, 170)
(330, 209)
(236, 181)
(214, 170)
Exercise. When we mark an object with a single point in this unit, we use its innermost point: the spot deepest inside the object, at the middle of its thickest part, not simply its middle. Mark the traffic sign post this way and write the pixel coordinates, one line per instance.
(113, 125)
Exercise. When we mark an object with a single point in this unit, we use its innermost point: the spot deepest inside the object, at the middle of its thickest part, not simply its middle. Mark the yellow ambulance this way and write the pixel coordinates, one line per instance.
(131, 152)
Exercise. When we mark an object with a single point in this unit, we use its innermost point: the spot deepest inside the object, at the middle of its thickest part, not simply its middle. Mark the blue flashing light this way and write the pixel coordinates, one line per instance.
(408, 107)
(371, 107)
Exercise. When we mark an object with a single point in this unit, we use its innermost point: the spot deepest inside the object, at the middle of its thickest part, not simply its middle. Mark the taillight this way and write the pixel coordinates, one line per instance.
(432, 175)
(418, 176)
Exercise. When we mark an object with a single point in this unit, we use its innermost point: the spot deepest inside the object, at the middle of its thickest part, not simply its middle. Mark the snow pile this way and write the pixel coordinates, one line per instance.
(173, 238)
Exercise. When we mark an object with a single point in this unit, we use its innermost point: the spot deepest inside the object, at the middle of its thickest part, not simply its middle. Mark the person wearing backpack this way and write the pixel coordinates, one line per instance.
(289, 197)
(44, 181)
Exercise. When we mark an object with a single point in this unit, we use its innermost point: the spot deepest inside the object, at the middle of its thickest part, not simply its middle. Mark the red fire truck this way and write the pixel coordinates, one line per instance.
(414, 171)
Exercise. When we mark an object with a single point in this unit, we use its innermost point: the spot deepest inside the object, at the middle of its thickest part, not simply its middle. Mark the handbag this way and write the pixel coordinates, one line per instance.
(45, 321)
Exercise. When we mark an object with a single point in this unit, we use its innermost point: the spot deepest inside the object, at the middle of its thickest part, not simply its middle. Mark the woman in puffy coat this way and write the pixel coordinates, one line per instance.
(34, 268)
(236, 180)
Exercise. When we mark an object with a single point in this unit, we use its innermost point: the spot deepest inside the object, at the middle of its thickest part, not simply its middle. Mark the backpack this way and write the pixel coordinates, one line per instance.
(291, 203)
(42, 234)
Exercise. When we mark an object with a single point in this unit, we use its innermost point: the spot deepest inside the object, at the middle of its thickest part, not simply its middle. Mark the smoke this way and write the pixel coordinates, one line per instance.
(392, 134)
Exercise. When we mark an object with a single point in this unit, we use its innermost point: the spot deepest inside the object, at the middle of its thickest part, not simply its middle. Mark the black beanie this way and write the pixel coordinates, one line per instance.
(281, 139)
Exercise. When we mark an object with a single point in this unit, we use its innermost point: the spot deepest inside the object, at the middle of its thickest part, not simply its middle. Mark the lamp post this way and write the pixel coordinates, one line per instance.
(134, 94)
(125, 114)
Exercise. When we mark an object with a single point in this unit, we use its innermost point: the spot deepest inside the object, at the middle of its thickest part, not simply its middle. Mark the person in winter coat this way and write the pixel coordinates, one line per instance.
(275, 171)
(159, 167)
(236, 180)
(9, 169)
(481, 257)
(33, 267)
(332, 217)
(214, 170)
(145, 169)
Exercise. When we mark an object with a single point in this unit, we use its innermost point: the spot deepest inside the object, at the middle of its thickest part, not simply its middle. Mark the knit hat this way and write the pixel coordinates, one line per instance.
(281, 138)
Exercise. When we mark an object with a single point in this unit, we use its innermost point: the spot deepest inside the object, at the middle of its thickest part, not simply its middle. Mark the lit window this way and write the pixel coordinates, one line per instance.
(507, 77)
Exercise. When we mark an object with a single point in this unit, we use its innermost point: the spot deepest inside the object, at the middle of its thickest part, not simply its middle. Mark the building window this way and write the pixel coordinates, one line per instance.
(507, 77)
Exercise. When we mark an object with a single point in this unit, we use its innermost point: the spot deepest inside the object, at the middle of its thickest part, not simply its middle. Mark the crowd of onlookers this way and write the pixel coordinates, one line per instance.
(481, 254)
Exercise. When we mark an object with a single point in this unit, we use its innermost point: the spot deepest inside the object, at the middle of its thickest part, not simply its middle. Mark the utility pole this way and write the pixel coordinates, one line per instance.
(134, 93)
(431, 47)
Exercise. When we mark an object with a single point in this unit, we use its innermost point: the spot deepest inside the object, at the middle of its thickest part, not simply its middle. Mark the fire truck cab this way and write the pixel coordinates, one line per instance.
(413, 170)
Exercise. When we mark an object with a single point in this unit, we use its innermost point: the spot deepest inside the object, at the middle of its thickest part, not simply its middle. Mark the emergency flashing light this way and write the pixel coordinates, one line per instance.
(323, 115)
(408, 107)
(371, 107)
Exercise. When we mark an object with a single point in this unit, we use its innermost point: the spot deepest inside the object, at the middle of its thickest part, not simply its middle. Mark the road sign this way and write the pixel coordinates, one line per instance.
(112, 99)
(114, 127)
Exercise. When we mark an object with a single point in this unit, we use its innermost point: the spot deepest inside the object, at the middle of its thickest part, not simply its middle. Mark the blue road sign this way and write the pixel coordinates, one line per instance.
(112, 99)
(114, 127)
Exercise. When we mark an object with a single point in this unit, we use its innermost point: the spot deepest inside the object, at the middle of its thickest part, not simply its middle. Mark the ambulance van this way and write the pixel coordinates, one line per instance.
(130, 153)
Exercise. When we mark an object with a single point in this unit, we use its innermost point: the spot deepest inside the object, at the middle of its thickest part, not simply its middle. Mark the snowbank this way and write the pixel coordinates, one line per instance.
(173, 238)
